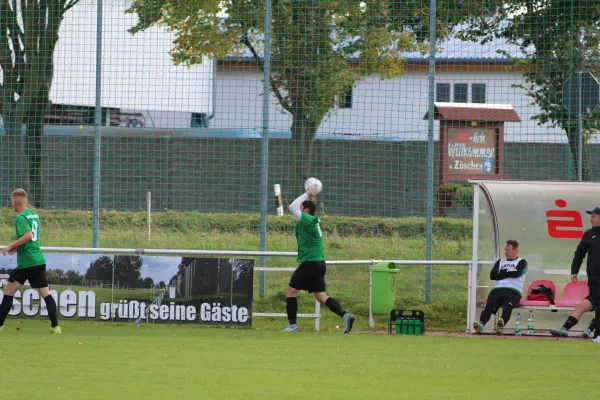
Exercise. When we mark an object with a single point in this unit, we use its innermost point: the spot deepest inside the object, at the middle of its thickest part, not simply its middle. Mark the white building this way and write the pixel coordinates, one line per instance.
(224, 99)
(392, 109)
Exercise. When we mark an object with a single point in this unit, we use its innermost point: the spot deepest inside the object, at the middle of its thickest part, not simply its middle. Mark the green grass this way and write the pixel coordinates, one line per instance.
(195, 222)
(106, 361)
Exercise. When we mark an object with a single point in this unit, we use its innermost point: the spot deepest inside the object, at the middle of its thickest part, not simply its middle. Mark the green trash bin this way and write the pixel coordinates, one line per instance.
(383, 289)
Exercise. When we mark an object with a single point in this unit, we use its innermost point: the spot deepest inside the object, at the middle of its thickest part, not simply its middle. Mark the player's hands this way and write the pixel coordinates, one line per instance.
(312, 192)
(574, 278)
(8, 250)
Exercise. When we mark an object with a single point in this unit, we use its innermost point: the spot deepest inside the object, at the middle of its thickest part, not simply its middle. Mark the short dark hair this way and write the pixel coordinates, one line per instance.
(310, 206)
(513, 243)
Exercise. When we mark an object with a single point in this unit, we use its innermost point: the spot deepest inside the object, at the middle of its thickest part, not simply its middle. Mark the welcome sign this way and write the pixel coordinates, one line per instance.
(149, 289)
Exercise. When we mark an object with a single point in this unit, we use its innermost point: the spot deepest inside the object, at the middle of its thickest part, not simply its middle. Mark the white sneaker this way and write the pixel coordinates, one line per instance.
(596, 340)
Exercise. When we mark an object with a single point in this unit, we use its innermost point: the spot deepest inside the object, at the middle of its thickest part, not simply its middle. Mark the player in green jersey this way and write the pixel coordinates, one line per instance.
(31, 263)
(310, 274)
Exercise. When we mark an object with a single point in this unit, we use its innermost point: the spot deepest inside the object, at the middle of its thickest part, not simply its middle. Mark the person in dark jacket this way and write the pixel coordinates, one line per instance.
(590, 246)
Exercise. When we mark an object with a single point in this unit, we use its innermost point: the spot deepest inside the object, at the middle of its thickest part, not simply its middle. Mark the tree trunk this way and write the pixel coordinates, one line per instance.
(573, 138)
(33, 148)
(303, 137)
(16, 168)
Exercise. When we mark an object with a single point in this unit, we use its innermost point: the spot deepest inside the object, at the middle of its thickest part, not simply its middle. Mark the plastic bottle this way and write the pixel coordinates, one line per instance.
(530, 323)
(518, 325)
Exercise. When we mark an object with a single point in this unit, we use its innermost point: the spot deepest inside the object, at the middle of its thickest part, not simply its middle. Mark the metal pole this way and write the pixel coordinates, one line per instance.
(112, 292)
(97, 128)
(264, 165)
(579, 127)
(474, 265)
(149, 214)
(430, 148)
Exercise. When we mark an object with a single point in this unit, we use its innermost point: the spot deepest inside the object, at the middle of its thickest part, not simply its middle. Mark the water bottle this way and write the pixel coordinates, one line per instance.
(518, 325)
(530, 323)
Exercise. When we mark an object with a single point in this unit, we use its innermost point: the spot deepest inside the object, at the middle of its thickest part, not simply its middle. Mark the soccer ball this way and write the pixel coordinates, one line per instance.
(314, 184)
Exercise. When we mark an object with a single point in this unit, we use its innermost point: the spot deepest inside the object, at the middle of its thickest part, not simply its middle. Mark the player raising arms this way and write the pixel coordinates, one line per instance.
(310, 274)
(31, 263)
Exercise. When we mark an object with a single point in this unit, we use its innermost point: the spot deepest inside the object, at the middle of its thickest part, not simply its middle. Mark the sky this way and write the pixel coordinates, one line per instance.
(157, 268)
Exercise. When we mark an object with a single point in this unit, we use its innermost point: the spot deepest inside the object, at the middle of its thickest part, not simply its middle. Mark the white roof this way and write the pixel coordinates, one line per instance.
(474, 105)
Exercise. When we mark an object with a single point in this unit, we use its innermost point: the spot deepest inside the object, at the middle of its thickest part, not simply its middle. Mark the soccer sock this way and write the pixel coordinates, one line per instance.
(291, 307)
(335, 307)
(7, 302)
(485, 317)
(571, 322)
(592, 326)
(52, 311)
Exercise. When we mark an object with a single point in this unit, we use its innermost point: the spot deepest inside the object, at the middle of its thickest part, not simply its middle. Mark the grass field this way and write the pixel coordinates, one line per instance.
(104, 361)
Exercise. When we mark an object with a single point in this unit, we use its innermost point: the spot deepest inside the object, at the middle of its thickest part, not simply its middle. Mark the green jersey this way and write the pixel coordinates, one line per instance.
(310, 238)
(29, 254)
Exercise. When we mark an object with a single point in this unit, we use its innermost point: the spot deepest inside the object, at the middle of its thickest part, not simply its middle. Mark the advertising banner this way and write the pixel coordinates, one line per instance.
(122, 288)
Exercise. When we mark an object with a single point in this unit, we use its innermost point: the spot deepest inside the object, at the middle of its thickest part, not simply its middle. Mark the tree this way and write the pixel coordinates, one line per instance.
(101, 269)
(556, 38)
(73, 277)
(128, 270)
(147, 283)
(162, 284)
(312, 42)
(28, 37)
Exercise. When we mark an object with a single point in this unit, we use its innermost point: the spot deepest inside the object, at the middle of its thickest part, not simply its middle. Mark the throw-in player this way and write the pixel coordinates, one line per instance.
(310, 274)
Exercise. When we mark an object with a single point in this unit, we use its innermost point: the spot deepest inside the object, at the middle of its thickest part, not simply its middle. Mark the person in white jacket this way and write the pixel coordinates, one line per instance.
(509, 276)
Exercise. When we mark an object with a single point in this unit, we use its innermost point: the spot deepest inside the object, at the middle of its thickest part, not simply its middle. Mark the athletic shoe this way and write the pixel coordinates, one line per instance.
(596, 340)
(478, 326)
(291, 328)
(348, 322)
(500, 326)
(562, 332)
(587, 333)
(56, 330)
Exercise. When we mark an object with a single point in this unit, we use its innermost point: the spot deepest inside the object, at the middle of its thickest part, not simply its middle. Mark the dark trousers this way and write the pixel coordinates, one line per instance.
(506, 298)
(595, 300)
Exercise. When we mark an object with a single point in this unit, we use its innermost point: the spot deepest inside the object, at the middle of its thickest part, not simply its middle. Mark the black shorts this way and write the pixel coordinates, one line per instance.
(309, 276)
(36, 276)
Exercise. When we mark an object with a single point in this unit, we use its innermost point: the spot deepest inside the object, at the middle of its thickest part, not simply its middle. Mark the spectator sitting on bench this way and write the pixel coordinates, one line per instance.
(509, 276)
(585, 306)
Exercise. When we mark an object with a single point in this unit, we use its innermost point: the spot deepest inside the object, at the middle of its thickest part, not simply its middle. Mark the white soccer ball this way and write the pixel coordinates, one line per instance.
(313, 184)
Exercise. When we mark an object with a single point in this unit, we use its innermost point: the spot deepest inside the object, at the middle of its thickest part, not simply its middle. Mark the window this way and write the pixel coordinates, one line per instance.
(347, 99)
(199, 120)
(443, 92)
(460, 92)
(478, 93)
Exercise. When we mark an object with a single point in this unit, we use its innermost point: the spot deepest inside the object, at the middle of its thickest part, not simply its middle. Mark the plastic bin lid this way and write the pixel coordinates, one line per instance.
(385, 266)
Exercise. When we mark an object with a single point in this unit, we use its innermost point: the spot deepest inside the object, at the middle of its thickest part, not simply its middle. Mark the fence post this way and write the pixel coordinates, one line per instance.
(97, 129)
(264, 152)
(371, 319)
(430, 148)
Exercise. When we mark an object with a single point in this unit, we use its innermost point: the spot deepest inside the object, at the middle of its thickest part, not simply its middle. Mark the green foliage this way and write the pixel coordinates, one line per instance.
(312, 44)
(455, 194)
(556, 39)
